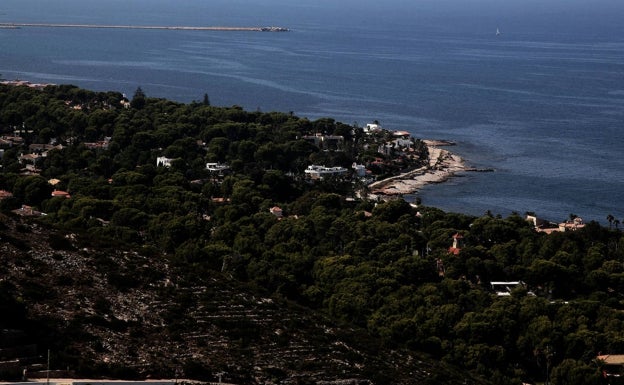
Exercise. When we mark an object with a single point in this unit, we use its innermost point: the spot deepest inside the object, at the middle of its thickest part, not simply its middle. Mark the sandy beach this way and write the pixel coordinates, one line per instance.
(443, 165)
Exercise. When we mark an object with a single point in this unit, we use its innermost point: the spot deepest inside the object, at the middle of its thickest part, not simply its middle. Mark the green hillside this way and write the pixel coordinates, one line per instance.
(144, 236)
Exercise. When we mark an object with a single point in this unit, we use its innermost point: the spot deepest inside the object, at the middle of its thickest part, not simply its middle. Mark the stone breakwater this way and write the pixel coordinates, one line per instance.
(182, 28)
(443, 165)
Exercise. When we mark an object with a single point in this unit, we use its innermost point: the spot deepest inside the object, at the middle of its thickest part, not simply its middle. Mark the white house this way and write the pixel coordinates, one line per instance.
(163, 161)
(402, 143)
(320, 172)
(360, 169)
(217, 167)
(504, 288)
(572, 224)
(372, 127)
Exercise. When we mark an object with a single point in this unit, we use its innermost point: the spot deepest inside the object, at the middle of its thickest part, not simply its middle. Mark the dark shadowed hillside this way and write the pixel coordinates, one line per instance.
(103, 310)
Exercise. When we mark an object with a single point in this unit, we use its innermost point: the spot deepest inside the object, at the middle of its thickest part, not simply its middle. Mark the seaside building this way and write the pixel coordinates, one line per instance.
(217, 167)
(458, 243)
(385, 149)
(544, 226)
(541, 225)
(319, 172)
(5, 194)
(440, 267)
(44, 148)
(5, 143)
(612, 367)
(402, 143)
(360, 169)
(325, 142)
(163, 161)
(28, 211)
(572, 224)
(10, 141)
(29, 158)
(401, 134)
(102, 144)
(60, 193)
(37, 153)
(504, 288)
(277, 211)
(372, 128)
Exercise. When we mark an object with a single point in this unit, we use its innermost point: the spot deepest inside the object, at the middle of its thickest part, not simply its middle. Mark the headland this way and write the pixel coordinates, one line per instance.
(443, 165)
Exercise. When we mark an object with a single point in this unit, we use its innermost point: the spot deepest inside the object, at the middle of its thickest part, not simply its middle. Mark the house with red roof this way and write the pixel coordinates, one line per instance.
(60, 193)
(458, 243)
(5, 194)
(277, 211)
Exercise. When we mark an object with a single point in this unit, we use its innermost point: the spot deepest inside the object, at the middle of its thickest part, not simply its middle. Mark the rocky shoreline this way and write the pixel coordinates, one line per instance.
(443, 164)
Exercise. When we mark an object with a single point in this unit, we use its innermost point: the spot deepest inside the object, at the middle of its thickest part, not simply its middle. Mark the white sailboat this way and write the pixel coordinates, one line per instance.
(498, 32)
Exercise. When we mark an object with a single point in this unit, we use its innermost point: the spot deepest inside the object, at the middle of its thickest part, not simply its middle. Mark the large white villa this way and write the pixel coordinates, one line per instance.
(320, 172)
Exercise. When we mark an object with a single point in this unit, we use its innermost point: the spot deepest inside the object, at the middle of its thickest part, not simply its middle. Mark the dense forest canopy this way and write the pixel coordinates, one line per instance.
(254, 215)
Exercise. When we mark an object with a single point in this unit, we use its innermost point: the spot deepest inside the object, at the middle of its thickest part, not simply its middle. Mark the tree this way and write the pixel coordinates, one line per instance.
(610, 219)
(138, 100)
(573, 372)
(130, 217)
(32, 190)
(218, 149)
(391, 211)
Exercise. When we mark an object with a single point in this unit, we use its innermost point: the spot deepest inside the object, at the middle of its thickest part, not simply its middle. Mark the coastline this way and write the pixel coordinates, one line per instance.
(443, 165)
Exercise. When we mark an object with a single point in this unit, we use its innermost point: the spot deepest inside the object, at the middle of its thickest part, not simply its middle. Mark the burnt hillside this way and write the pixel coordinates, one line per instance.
(104, 310)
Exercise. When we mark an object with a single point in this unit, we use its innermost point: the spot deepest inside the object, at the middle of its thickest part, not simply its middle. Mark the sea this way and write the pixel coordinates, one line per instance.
(541, 102)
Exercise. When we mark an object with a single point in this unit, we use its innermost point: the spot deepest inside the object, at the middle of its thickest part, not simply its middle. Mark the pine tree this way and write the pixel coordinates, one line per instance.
(138, 100)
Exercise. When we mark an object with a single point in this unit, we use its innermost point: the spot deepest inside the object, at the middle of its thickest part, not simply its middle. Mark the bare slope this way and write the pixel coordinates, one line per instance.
(103, 310)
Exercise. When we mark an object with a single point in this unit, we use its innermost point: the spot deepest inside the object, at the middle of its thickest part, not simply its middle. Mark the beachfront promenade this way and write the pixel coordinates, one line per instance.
(182, 28)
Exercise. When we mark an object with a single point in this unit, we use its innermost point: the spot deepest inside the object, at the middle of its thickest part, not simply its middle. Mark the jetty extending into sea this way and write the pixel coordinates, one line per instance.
(183, 28)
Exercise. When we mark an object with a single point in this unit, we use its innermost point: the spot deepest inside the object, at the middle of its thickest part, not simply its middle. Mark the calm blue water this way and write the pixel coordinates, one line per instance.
(543, 103)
